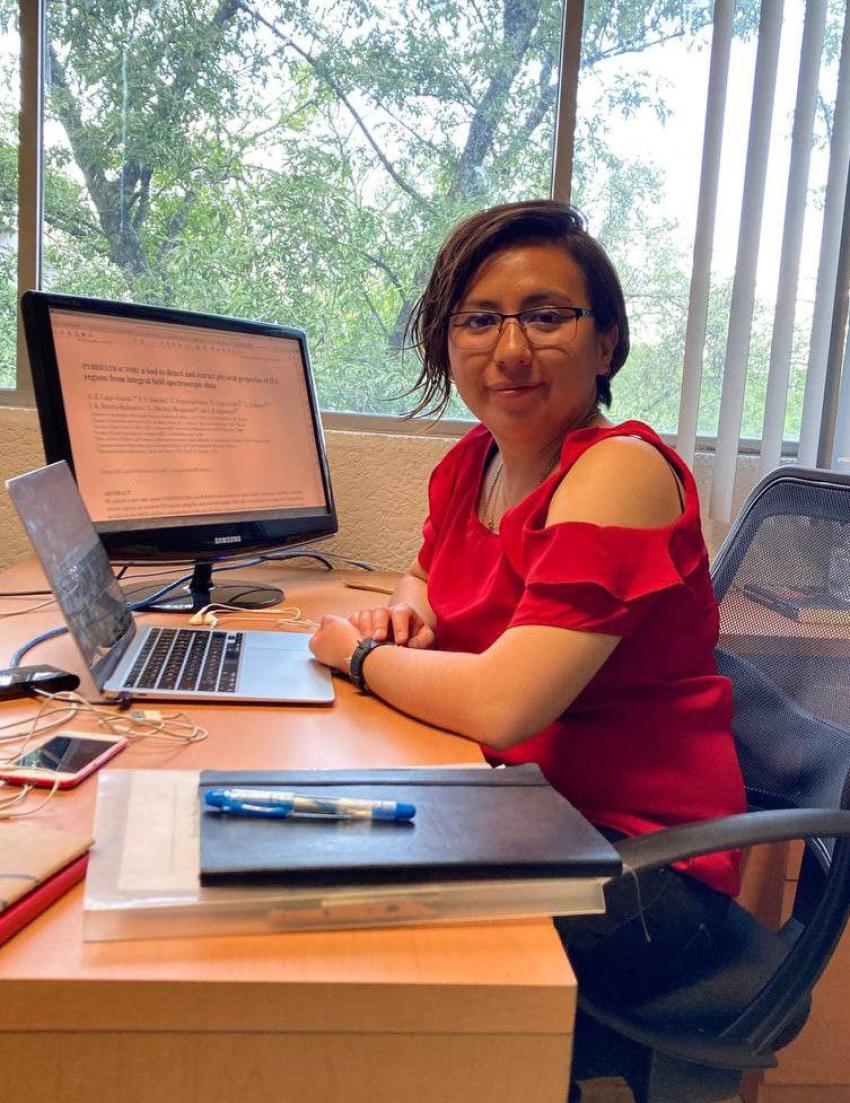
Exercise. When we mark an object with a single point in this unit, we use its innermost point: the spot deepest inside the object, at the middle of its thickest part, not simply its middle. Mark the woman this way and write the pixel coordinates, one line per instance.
(560, 610)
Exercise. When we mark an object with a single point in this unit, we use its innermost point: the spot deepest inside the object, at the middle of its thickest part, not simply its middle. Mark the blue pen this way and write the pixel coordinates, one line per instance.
(274, 803)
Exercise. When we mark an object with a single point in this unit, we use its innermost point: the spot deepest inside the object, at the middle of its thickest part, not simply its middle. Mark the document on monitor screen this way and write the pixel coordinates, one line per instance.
(177, 422)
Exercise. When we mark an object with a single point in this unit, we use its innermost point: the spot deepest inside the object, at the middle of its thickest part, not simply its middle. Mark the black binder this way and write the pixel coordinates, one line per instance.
(471, 824)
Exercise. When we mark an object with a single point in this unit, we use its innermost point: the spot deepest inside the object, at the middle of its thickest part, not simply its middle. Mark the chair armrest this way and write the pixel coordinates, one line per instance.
(672, 844)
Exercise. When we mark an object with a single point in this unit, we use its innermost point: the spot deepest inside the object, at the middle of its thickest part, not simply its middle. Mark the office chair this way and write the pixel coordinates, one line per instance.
(792, 732)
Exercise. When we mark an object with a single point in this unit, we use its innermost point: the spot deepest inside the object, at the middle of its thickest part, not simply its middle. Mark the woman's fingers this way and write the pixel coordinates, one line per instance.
(423, 638)
(372, 622)
(363, 621)
(401, 623)
(380, 623)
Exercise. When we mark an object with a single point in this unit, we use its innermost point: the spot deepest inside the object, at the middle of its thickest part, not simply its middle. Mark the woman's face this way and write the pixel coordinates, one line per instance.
(516, 387)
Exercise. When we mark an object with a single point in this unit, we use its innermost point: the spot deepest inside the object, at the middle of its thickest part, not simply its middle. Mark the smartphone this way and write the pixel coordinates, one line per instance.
(67, 754)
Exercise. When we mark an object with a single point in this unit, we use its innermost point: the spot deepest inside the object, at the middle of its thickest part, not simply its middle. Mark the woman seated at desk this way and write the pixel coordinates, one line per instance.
(560, 610)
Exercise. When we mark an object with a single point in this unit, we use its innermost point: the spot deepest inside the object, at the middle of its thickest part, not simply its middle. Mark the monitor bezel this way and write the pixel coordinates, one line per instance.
(184, 543)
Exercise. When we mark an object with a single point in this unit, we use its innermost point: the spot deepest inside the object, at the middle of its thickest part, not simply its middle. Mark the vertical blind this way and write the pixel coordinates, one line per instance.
(821, 417)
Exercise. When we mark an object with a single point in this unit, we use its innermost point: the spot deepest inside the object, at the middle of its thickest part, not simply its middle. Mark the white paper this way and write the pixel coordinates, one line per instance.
(161, 849)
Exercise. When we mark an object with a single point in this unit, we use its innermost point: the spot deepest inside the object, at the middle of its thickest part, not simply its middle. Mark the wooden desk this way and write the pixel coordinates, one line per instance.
(463, 1013)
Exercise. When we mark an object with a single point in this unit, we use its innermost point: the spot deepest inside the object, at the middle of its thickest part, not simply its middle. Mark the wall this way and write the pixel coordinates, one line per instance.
(20, 450)
(380, 483)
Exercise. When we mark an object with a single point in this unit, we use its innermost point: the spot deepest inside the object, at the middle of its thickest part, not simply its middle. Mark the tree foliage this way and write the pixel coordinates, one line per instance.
(301, 160)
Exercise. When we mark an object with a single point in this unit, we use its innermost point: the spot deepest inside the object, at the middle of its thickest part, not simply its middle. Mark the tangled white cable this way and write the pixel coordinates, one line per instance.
(57, 709)
(287, 617)
(8, 805)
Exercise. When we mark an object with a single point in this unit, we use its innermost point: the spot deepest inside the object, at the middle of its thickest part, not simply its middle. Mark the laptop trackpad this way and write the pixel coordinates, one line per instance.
(279, 665)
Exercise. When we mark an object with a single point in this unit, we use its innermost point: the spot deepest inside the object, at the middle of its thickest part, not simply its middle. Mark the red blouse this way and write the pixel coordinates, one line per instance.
(647, 743)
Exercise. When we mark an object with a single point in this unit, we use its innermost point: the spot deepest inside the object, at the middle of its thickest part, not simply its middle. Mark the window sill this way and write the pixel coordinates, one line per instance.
(455, 427)
(447, 428)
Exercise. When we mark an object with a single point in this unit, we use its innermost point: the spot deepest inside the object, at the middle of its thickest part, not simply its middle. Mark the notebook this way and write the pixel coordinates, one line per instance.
(470, 824)
(24, 910)
(153, 662)
(37, 865)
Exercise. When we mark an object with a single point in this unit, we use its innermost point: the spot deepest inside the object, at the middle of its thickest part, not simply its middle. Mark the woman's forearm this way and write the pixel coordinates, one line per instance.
(523, 682)
(527, 678)
(439, 687)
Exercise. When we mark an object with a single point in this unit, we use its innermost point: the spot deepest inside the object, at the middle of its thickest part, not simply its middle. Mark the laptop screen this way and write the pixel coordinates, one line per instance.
(74, 561)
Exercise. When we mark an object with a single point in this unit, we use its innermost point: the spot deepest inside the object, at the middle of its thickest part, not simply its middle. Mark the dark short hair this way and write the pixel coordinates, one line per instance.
(463, 252)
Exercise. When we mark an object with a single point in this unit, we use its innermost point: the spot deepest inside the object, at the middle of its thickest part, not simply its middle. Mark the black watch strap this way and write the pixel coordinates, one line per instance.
(358, 657)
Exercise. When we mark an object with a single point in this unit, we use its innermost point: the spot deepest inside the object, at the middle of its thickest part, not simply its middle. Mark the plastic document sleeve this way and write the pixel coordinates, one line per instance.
(143, 879)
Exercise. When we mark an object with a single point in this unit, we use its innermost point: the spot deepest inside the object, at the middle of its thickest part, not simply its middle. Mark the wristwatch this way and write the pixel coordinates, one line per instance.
(358, 657)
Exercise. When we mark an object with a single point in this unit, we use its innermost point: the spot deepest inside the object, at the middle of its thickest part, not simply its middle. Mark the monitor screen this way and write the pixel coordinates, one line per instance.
(191, 437)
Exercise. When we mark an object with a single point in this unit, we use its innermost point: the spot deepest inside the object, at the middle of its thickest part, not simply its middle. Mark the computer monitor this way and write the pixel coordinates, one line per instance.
(193, 437)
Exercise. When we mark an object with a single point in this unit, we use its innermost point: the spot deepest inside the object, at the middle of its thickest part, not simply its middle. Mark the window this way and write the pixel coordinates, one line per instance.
(302, 162)
(639, 143)
(296, 163)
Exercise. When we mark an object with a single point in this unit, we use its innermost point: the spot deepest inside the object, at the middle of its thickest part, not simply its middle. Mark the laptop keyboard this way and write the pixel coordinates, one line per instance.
(187, 660)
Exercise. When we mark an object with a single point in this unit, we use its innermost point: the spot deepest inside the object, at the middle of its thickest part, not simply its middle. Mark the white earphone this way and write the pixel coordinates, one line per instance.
(283, 617)
(204, 618)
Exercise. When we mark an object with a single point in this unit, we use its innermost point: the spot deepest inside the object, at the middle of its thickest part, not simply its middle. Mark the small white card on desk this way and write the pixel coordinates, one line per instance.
(161, 833)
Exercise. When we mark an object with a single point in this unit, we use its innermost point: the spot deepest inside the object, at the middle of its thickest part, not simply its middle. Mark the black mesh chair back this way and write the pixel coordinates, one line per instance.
(782, 579)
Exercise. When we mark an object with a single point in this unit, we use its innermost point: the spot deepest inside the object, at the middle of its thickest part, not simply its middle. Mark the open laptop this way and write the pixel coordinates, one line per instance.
(152, 662)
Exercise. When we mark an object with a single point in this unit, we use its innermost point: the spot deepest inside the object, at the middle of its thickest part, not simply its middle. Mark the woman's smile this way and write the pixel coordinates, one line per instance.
(513, 391)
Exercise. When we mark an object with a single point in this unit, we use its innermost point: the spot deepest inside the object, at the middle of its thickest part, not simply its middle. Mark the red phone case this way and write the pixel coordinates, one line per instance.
(46, 782)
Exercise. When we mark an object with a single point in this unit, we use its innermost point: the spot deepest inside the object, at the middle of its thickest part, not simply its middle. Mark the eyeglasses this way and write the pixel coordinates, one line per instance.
(542, 326)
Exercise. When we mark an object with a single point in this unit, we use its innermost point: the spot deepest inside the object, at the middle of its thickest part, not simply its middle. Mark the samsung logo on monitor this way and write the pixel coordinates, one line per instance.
(227, 540)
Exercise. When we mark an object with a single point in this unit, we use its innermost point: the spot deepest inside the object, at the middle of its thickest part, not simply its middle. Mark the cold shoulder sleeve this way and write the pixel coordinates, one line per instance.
(596, 578)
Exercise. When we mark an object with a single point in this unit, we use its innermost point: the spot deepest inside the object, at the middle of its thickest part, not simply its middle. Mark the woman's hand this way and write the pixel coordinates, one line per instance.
(400, 623)
(334, 641)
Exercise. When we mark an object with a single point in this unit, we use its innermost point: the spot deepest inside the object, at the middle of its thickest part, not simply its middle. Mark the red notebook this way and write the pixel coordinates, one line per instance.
(37, 865)
(17, 915)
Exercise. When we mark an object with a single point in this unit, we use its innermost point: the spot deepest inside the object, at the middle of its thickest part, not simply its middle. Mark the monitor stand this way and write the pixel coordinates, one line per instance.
(201, 590)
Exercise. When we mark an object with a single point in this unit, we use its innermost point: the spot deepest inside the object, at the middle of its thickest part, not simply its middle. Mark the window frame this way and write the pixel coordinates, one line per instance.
(30, 193)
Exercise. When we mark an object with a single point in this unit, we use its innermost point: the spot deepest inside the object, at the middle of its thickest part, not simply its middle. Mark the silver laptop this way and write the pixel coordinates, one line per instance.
(179, 663)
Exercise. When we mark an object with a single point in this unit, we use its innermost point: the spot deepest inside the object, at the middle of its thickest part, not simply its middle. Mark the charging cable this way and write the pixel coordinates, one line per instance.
(287, 617)
(57, 709)
(164, 727)
(9, 806)
(28, 608)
